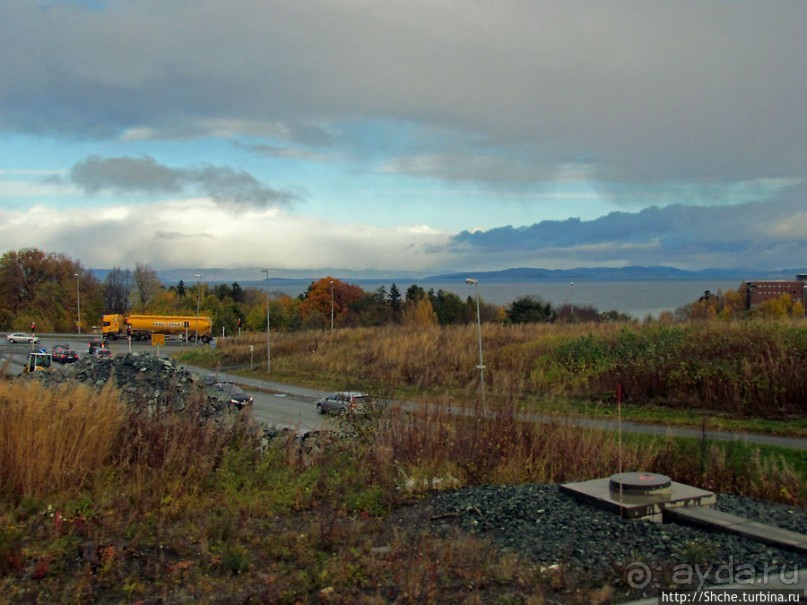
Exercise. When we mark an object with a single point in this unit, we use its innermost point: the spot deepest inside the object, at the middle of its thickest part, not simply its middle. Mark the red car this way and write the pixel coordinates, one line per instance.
(64, 354)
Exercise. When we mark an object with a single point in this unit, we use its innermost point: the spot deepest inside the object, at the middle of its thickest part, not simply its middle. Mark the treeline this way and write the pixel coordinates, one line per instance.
(730, 305)
(55, 293)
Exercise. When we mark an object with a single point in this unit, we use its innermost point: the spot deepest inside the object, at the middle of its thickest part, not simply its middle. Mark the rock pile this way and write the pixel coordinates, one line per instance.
(146, 382)
(153, 385)
(302, 449)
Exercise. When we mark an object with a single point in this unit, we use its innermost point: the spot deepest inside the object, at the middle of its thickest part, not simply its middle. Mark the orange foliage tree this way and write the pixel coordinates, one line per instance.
(42, 288)
(326, 292)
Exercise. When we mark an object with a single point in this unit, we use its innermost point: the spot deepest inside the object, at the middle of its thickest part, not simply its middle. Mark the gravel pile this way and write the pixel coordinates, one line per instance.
(147, 382)
(596, 547)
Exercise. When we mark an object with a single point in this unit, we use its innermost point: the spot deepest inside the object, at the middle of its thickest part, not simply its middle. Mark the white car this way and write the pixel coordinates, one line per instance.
(21, 337)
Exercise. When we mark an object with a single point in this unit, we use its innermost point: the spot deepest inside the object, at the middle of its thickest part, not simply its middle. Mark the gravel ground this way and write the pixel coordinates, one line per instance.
(594, 548)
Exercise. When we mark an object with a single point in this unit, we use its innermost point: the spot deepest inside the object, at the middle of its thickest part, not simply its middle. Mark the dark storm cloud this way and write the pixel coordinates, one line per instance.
(236, 187)
(144, 175)
(125, 175)
(650, 91)
(774, 233)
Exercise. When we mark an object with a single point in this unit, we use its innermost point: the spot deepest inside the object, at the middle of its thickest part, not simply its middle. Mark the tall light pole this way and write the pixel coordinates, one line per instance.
(475, 283)
(78, 303)
(331, 305)
(571, 297)
(198, 300)
(268, 347)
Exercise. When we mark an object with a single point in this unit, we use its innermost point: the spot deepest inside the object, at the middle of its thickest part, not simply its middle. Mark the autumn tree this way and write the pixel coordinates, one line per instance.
(780, 307)
(419, 314)
(165, 302)
(326, 294)
(728, 305)
(732, 304)
(146, 285)
(44, 288)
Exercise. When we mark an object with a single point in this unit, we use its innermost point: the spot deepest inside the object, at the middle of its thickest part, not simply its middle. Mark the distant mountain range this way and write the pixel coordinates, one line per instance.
(635, 273)
(632, 273)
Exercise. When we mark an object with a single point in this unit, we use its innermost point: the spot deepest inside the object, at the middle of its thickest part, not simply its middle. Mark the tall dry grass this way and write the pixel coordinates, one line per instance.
(53, 439)
(745, 368)
(502, 448)
(169, 456)
(434, 447)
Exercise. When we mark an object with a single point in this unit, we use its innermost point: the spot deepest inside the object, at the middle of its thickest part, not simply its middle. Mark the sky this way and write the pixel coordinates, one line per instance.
(417, 136)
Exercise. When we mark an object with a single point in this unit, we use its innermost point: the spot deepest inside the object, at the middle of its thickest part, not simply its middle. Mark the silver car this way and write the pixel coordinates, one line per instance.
(343, 402)
(22, 337)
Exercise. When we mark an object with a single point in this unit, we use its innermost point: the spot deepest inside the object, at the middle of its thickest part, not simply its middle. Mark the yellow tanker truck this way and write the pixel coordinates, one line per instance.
(141, 327)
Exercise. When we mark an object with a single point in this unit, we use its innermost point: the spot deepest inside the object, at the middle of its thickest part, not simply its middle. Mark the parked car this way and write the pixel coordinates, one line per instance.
(57, 351)
(233, 394)
(343, 402)
(96, 343)
(22, 337)
(68, 356)
(64, 354)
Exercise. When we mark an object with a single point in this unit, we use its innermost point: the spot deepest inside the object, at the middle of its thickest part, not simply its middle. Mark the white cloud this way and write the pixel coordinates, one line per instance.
(198, 233)
(29, 189)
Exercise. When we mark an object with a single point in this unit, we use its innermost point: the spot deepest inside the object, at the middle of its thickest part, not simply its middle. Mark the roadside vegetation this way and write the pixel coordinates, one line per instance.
(171, 507)
(737, 375)
(101, 504)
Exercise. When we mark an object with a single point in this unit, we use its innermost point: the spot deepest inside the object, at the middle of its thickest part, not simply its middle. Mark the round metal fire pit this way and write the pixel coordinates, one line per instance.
(640, 484)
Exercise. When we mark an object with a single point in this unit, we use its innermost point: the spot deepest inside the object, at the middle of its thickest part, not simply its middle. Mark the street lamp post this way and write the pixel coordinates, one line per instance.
(571, 297)
(481, 367)
(78, 303)
(331, 305)
(268, 345)
(198, 300)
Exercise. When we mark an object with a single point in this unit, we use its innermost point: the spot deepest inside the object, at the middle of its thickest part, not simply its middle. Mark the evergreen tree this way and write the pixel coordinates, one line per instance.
(415, 293)
(394, 299)
(529, 309)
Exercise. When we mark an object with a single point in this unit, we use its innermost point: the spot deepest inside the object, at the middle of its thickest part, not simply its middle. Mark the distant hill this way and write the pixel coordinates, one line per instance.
(632, 273)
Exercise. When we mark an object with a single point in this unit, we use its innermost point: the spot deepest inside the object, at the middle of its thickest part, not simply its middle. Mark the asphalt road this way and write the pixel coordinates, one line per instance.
(285, 405)
(300, 397)
(288, 407)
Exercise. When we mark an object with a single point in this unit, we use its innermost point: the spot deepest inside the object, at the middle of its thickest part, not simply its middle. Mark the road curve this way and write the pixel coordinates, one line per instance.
(291, 405)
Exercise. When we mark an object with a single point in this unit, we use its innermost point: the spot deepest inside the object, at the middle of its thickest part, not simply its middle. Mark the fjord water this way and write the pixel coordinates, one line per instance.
(638, 299)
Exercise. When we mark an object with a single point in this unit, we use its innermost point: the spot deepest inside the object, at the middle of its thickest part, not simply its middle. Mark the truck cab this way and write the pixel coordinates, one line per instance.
(113, 326)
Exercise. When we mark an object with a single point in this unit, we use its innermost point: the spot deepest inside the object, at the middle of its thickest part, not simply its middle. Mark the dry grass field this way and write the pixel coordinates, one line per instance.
(99, 504)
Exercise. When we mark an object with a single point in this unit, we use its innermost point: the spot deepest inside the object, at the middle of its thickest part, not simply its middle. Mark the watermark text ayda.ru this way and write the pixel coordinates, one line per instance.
(640, 575)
